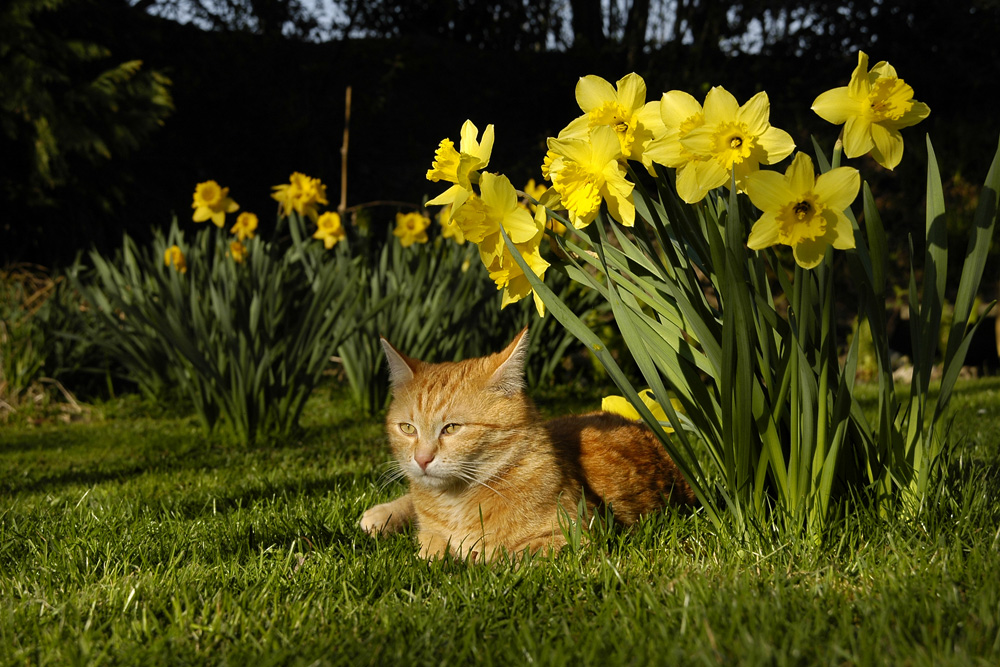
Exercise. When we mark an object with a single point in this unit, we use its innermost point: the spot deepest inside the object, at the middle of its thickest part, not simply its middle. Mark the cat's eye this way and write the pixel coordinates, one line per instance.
(450, 428)
(408, 429)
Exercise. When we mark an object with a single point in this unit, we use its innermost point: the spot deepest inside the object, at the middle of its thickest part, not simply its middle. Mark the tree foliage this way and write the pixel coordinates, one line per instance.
(65, 103)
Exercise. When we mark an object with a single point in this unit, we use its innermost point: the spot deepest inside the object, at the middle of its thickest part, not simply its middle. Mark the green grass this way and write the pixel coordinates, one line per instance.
(136, 539)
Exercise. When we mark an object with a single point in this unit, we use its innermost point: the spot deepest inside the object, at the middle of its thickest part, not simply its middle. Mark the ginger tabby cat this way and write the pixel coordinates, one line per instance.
(487, 474)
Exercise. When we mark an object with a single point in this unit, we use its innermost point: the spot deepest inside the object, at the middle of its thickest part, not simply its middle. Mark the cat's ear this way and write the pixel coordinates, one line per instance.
(401, 367)
(508, 378)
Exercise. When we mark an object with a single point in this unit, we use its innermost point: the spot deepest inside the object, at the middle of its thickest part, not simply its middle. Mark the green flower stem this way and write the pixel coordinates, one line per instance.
(827, 338)
(795, 409)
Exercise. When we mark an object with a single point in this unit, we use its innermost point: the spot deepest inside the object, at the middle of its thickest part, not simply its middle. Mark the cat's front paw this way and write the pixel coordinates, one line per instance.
(383, 519)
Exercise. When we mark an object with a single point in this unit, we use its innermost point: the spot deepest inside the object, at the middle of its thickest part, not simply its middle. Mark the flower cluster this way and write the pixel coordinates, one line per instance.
(301, 194)
(719, 142)
(479, 216)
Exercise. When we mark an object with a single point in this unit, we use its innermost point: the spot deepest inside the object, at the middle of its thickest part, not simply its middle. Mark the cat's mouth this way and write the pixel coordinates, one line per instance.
(435, 479)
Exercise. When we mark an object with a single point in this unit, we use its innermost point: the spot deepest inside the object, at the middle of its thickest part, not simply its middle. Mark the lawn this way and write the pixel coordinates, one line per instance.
(133, 538)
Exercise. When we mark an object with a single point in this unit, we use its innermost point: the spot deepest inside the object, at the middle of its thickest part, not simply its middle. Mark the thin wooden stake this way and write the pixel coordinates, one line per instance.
(342, 207)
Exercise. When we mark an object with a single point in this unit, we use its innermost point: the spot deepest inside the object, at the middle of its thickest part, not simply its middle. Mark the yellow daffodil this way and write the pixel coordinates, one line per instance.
(733, 139)
(461, 166)
(620, 405)
(802, 210)
(174, 257)
(509, 277)
(681, 113)
(481, 219)
(482, 216)
(212, 202)
(411, 228)
(450, 228)
(301, 194)
(245, 227)
(873, 107)
(238, 251)
(586, 172)
(623, 108)
(329, 229)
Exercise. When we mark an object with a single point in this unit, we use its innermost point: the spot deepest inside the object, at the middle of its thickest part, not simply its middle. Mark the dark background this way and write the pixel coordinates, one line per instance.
(257, 90)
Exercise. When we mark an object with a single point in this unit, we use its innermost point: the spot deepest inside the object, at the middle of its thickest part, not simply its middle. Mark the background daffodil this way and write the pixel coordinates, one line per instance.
(174, 257)
(411, 228)
(872, 108)
(238, 251)
(301, 194)
(329, 229)
(245, 227)
(734, 139)
(803, 211)
(212, 202)
(450, 228)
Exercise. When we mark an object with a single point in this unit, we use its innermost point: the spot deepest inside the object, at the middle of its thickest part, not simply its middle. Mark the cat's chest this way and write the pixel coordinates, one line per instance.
(455, 512)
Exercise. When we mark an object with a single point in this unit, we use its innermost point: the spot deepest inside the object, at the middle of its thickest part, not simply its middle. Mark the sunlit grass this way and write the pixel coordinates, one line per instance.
(137, 539)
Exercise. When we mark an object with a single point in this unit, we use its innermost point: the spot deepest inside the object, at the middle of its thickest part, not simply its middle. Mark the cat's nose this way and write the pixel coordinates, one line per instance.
(423, 459)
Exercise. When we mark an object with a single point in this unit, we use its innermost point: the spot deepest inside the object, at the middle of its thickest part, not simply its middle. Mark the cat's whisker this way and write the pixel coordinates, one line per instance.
(466, 476)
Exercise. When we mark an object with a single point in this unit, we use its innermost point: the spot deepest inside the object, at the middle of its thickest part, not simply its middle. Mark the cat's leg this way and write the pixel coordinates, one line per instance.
(542, 545)
(434, 545)
(390, 517)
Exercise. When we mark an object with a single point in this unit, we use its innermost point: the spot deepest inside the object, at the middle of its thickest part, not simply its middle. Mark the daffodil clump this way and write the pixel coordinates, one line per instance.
(692, 254)
(479, 216)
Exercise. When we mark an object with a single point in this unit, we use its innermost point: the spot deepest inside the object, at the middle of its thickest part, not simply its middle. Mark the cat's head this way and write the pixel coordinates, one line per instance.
(451, 424)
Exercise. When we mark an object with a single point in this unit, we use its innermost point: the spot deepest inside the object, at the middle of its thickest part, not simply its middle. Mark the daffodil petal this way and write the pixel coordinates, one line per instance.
(720, 105)
(649, 118)
(838, 188)
(619, 405)
(486, 145)
(857, 136)
(677, 106)
(539, 304)
(778, 144)
(883, 69)
(631, 91)
(888, 149)
(840, 231)
(710, 175)
(700, 141)
(520, 225)
(859, 85)
(575, 150)
(809, 253)
(836, 105)
(769, 190)
(914, 115)
(687, 183)
(801, 175)
(606, 146)
(755, 113)
(764, 233)
(592, 91)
